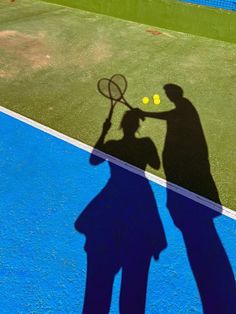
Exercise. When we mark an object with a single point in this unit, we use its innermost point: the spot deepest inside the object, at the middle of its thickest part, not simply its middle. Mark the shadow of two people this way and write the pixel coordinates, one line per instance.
(122, 224)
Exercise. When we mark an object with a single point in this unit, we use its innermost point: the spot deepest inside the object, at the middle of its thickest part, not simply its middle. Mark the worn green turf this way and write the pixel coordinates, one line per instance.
(52, 56)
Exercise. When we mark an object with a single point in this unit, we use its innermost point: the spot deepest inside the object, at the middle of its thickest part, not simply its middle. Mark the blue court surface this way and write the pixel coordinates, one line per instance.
(60, 205)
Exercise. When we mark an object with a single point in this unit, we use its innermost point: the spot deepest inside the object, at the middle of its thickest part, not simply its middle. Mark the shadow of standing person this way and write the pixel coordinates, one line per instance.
(186, 163)
(122, 226)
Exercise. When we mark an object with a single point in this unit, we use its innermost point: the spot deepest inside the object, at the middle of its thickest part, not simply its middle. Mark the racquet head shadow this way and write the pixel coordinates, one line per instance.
(114, 88)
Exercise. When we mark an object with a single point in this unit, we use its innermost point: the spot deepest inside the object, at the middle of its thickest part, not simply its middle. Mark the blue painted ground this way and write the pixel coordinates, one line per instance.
(221, 4)
(45, 185)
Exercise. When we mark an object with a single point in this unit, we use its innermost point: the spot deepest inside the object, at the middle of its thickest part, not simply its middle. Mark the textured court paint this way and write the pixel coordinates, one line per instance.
(170, 14)
(45, 184)
(51, 74)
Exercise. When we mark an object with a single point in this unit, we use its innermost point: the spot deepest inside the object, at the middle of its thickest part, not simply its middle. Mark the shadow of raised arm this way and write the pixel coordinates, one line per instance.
(100, 145)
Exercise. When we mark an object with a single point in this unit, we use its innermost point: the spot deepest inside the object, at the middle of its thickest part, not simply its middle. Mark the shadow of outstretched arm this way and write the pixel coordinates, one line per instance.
(165, 115)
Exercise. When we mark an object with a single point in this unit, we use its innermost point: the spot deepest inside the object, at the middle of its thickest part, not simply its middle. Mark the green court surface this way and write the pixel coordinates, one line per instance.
(51, 58)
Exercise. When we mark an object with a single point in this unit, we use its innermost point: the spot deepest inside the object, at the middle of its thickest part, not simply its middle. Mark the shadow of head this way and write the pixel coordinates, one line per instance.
(130, 122)
(173, 92)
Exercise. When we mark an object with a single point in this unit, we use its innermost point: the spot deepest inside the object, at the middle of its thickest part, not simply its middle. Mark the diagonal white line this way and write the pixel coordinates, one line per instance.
(193, 196)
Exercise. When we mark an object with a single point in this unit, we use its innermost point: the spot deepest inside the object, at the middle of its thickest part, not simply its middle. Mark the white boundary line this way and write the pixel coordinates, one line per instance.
(193, 196)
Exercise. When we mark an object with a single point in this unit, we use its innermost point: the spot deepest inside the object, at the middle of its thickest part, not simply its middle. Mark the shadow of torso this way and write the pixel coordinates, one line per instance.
(185, 154)
(125, 211)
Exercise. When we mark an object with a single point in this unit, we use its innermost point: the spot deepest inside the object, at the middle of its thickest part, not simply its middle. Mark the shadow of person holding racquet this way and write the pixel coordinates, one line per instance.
(186, 163)
(122, 225)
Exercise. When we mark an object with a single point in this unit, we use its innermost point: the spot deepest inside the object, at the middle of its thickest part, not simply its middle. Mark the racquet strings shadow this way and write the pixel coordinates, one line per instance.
(186, 163)
(122, 226)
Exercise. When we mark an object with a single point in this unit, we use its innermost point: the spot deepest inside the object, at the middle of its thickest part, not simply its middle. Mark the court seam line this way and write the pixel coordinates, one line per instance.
(168, 185)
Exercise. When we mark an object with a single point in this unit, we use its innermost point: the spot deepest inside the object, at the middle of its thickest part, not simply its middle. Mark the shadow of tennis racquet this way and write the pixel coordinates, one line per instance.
(114, 89)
